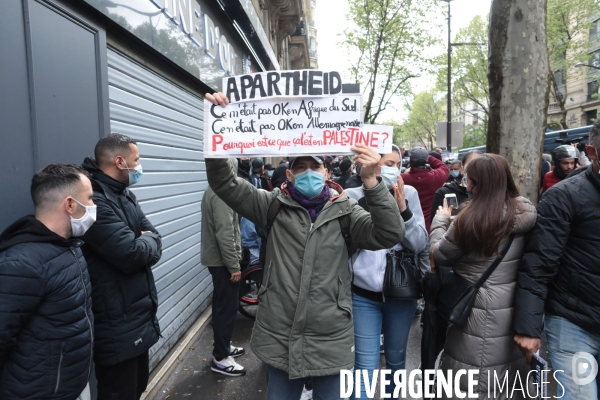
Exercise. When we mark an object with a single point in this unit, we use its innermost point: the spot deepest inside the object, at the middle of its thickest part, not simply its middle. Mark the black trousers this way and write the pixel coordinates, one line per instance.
(124, 381)
(224, 310)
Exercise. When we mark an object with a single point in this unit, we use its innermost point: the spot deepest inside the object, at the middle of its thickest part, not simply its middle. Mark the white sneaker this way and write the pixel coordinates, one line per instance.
(227, 366)
(236, 352)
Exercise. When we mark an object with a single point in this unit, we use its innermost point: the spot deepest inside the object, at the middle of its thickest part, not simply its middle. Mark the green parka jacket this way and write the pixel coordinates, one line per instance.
(304, 321)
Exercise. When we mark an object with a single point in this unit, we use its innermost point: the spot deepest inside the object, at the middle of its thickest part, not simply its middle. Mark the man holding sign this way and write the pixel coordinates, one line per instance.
(304, 323)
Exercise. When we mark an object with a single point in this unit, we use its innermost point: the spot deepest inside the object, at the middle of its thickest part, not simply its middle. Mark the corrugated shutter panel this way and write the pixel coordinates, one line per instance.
(166, 121)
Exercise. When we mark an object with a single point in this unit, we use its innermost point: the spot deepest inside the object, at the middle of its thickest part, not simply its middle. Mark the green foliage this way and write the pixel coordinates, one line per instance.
(388, 38)
(427, 109)
(401, 137)
(568, 26)
(469, 70)
(475, 135)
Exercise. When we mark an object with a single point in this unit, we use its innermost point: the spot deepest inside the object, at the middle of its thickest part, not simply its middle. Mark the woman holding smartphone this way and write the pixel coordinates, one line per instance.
(470, 244)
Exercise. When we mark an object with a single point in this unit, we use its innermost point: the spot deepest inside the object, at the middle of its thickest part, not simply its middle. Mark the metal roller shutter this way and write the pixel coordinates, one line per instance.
(166, 121)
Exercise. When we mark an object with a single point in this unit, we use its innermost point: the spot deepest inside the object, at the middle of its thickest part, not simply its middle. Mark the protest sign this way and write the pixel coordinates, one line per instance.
(304, 126)
(270, 84)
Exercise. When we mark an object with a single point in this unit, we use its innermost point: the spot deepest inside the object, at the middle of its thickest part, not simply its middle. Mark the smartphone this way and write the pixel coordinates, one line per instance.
(451, 200)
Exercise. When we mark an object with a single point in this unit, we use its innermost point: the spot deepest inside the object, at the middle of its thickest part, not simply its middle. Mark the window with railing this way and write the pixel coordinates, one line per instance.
(595, 31)
(590, 117)
(559, 77)
(592, 90)
(595, 59)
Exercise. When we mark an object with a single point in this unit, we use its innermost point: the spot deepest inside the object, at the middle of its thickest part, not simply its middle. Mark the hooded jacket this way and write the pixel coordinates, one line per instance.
(560, 273)
(369, 266)
(486, 342)
(304, 320)
(46, 319)
(220, 243)
(120, 261)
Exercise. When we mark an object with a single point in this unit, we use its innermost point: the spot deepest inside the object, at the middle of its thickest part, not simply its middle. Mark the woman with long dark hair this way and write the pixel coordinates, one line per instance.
(470, 244)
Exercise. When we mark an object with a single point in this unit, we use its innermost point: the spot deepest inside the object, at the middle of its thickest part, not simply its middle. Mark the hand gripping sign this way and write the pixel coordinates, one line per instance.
(287, 113)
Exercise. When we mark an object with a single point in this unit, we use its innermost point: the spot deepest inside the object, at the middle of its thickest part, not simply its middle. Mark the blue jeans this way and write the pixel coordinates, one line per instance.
(280, 386)
(371, 318)
(564, 340)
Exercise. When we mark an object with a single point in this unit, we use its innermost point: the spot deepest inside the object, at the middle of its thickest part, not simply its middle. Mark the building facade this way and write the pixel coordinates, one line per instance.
(76, 70)
(581, 89)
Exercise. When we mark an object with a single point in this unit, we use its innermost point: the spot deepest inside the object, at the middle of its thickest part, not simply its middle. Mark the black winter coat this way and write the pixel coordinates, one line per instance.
(343, 178)
(448, 188)
(353, 181)
(560, 271)
(120, 260)
(45, 314)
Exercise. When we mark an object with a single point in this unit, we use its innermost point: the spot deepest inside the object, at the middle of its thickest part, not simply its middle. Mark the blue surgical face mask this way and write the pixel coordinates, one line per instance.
(309, 183)
(389, 175)
(455, 173)
(134, 177)
(270, 173)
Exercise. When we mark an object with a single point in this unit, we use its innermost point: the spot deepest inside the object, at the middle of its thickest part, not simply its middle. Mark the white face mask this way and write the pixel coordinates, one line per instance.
(80, 226)
(389, 175)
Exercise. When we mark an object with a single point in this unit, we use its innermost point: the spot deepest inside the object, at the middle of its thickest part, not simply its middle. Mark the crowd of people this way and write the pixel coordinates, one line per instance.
(76, 280)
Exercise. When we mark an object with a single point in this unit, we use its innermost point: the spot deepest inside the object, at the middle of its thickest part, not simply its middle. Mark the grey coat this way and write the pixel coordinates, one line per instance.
(486, 342)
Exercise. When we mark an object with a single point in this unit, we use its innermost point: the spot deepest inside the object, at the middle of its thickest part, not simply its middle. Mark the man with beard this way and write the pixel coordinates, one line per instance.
(565, 161)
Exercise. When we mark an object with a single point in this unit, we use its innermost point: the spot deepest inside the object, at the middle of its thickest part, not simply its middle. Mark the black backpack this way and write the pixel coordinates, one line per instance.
(344, 221)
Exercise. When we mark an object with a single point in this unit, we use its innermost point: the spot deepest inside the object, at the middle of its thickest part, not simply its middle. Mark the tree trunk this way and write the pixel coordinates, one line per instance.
(518, 79)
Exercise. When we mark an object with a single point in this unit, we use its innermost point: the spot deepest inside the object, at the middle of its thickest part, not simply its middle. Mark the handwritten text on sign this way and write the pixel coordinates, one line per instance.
(328, 125)
(263, 85)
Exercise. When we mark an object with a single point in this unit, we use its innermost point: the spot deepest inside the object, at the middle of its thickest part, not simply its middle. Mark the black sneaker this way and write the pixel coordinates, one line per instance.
(227, 366)
(236, 352)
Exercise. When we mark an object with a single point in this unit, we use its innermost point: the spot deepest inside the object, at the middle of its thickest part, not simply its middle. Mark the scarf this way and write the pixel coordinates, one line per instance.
(314, 205)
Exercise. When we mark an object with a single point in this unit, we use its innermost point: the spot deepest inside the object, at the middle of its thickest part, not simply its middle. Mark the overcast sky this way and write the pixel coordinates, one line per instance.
(331, 20)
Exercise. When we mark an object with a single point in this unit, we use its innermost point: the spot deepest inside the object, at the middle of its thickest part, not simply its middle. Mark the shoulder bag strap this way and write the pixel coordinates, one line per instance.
(274, 209)
(496, 262)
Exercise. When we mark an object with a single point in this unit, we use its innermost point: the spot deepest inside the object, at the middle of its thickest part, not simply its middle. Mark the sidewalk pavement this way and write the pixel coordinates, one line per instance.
(193, 379)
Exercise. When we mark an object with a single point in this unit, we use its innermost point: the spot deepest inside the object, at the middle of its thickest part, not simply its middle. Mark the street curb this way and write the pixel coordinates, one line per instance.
(166, 368)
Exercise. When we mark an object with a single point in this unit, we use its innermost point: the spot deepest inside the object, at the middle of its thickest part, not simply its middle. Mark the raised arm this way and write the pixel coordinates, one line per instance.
(440, 170)
(239, 194)
(384, 227)
(445, 250)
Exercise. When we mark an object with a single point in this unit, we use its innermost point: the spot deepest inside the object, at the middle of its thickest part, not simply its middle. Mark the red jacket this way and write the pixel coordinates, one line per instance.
(427, 182)
(549, 180)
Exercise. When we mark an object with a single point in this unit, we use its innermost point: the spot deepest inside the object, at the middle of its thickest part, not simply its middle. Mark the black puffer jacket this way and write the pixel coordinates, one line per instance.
(120, 260)
(448, 188)
(560, 265)
(45, 314)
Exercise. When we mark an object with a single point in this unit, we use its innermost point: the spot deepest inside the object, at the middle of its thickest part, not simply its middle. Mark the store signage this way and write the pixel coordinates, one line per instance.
(200, 30)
